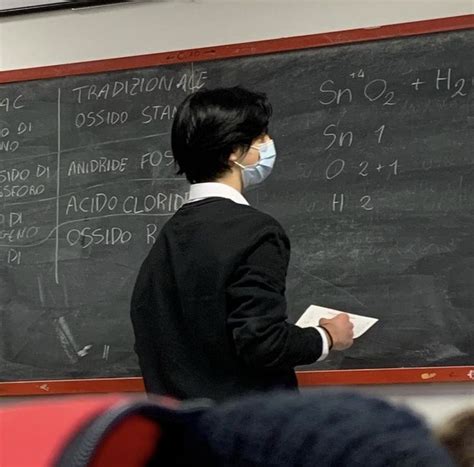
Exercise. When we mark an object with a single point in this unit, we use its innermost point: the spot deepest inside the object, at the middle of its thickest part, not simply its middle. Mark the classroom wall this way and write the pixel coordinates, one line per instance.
(138, 28)
(155, 26)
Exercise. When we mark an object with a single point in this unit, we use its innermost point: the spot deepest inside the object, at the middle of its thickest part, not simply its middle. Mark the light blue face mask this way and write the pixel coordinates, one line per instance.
(257, 173)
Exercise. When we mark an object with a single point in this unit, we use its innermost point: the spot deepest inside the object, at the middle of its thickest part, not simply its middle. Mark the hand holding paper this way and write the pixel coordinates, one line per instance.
(340, 330)
(312, 315)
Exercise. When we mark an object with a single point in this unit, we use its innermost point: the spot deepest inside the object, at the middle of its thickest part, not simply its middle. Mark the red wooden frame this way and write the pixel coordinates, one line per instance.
(454, 374)
(245, 49)
(305, 378)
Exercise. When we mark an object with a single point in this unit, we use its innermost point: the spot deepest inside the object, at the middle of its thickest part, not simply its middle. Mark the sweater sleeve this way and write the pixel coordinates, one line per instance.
(257, 316)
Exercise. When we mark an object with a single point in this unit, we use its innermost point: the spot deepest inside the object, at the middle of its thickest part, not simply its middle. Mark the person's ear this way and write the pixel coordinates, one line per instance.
(237, 154)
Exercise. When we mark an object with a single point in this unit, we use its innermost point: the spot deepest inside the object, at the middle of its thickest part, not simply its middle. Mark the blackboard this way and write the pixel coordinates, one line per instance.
(374, 184)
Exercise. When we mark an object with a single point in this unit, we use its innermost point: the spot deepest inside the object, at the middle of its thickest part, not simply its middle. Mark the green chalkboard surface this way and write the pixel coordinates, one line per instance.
(374, 184)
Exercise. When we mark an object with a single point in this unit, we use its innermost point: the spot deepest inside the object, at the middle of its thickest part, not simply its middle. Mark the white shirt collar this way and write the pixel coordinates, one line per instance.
(200, 191)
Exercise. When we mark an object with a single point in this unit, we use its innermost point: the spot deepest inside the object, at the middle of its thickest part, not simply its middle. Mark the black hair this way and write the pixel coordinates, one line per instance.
(211, 124)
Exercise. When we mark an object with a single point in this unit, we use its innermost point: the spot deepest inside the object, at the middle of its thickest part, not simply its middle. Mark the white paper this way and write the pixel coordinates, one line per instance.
(312, 315)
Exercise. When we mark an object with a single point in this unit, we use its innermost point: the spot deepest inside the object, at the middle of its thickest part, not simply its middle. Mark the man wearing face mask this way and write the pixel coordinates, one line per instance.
(208, 308)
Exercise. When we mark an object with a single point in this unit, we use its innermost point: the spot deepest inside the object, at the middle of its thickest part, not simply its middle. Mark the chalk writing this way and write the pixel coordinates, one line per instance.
(9, 104)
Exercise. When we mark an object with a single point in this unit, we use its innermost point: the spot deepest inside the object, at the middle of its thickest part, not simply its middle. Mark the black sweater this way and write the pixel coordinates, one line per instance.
(209, 308)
